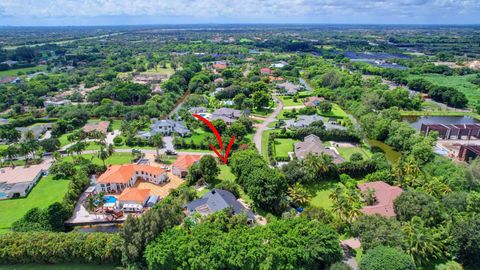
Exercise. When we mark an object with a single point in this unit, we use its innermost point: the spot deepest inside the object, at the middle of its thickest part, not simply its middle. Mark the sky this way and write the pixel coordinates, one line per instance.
(137, 12)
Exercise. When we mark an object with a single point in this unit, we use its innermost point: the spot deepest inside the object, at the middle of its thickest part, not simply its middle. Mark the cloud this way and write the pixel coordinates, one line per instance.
(257, 10)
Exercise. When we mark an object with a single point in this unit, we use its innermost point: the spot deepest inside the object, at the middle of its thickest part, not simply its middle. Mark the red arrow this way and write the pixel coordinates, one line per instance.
(219, 139)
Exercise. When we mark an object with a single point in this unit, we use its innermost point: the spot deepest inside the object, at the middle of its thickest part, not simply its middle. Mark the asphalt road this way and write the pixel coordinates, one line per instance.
(257, 138)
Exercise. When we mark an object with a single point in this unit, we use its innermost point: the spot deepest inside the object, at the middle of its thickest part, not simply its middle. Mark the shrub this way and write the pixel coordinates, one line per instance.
(381, 257)
(118, 141)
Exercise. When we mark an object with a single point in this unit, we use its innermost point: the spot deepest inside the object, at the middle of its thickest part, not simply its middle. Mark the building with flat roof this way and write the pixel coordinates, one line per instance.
(18, 181)
(455, 131)
(468, 152)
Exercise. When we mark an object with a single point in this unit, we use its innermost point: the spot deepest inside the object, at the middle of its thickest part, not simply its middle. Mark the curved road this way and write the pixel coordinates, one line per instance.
(264, 126)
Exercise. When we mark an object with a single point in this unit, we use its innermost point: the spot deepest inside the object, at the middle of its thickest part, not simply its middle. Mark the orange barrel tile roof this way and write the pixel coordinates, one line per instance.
(123, 173)
(134, 195)
(186, 161)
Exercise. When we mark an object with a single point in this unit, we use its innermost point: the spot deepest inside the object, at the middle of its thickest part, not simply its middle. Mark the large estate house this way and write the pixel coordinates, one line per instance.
(228, 115)
(313, 145)
(165, 127)
(18, 181)
(385, 194)
(119, 177)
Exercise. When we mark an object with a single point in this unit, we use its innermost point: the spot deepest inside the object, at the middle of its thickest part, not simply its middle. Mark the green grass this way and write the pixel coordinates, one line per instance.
(288, 101)
(265, 143)
(115, 159)
(347, 152)
(116, 124)
(460, 83)
(283, 146)
(336, 112)
(15, 72)
(226, 173)
(198, 135)
(320, 193)
(281, 115)
(46, 192)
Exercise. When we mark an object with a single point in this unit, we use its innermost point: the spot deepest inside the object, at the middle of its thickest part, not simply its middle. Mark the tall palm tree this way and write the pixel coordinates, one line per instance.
(299, 194)
(11, 152)
(103, 154)
(157, 141)
(423, 243)
(319, 165)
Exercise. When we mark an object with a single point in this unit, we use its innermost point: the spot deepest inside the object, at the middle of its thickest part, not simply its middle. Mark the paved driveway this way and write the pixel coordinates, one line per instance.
(264, 126)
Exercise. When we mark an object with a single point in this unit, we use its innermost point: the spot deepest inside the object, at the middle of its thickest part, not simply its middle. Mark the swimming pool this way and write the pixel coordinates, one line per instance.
(3, 195)
(109, 199)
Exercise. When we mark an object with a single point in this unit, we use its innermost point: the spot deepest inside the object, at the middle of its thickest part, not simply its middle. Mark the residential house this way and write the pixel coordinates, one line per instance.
(101, 127)
(313, 145)
(119, 177)
(302, 121)
(313, 101)
(10, 62)
(183, 163)
(228, 115)
(196, 110)
(279, 64)
(56, 103)
(217, 200)
(220, 65)
(266, 71)
(289, 88)
(165, 127)
(37, 130)
(133, 199)
(14, 80)
(219, 81)
(18, 181)
(385, 194)
(4, 121)
(149, 78)
(275, 79)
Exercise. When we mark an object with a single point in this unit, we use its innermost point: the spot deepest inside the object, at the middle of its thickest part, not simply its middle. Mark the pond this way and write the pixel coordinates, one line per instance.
(391, 155)
(417, 121)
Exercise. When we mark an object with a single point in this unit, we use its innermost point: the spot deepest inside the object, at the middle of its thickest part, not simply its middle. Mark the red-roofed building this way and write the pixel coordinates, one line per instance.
(133, 199)
(266, 71)
(119, 177)
(220, 65)
(183, 163)
(385, 194)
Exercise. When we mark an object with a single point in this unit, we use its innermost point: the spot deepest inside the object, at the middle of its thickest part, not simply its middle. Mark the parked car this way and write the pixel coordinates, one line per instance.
(170, 152)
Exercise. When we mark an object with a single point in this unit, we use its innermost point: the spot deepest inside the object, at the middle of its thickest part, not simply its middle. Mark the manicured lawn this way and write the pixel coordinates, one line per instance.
(197, 136)
(461, 83)
(46, 192)
(336, 112)
(226, 173)
(288, 101)
(280, 116)
(265, 143)
(116, 124)
(347, 152)
(115, 159)
(15, 72)
(320, 193)
(283, 146)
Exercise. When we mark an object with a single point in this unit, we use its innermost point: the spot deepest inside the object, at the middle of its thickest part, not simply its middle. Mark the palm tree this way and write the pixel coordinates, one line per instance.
(110, 149)
(78, 147)
(369, 196)
(319, 165)
(11, 152)
(299, 194)
(103, 154)
(57, 156)
(157, 141)
(136, 154)
(423, 243)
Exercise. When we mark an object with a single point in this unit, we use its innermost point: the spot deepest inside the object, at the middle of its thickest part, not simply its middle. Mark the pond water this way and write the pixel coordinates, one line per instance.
(417, 121)
(391, 155)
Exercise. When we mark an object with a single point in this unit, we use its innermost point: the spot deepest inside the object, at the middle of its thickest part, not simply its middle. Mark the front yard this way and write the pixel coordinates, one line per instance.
(283, 146)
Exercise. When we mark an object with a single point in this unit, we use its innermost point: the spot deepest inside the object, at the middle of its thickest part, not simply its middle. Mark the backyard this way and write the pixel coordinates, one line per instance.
(320, 193)
(46, 192)
(283, 146)
(347, 152)
(21, 71)
(116, 159)
(288, 101)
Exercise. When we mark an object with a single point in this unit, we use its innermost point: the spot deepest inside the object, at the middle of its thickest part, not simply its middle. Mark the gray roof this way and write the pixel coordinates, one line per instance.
(291, 88)
(313, 145)
(228, 115)
(198, 110)
(216, 200)
(303, 121)
(177, 126)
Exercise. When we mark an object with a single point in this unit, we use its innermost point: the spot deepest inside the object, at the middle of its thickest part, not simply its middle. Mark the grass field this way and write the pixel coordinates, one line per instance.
(347, 152)
(46, 192)
(115, 159)
(283, 146)
(336, 112)
(265, 143)
(21, 71)
(226, 173)
(288, 101)
(320, 193)
(460, 83)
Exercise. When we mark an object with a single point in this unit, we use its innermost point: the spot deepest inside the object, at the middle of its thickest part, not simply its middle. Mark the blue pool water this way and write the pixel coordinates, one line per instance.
(3, 195)
(202, 114)
(109, 199)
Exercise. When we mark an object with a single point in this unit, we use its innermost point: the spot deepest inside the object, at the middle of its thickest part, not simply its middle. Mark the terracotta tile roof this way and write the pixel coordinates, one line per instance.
(100, 126)
(134, 195)
(313, 101)
(123, 173)
(385, 195)
(184, 162)
(266, 71)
